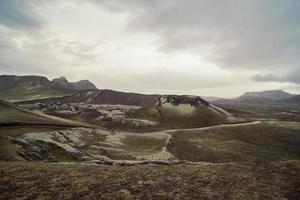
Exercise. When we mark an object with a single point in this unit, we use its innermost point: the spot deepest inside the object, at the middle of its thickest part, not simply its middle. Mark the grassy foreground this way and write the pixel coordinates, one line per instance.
(30, 180)
(260, 143)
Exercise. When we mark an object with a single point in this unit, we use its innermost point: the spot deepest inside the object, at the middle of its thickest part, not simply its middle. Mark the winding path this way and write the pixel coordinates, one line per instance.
(214, 126)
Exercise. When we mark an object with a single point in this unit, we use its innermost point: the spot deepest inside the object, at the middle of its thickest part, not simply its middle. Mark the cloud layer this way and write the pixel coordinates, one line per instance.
(171, 46)
(234, 34)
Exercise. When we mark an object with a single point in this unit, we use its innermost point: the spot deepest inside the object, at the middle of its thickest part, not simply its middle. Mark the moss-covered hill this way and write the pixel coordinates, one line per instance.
(184, 112)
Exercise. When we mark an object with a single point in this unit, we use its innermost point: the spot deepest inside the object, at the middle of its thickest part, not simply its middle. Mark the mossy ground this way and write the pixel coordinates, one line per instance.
(30, 180)
(256, 143)
(143, 145)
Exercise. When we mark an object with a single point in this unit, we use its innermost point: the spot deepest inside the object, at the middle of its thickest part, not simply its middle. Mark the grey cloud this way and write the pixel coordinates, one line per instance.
(233, 34)
(238, 35)
(42, 54)
(16, 61)
(19, 14)
(291, 77)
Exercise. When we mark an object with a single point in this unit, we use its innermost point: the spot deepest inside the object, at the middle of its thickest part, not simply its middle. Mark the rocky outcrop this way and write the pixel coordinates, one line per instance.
(97, 114)
(56, 145)
(184, 99)
(92, 145)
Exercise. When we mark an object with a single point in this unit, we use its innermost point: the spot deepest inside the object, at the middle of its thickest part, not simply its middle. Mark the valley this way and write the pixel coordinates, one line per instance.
(117, 145)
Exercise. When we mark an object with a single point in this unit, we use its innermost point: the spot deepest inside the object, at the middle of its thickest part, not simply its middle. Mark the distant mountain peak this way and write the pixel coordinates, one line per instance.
(79, 85)
(60, 79)
(267, 94)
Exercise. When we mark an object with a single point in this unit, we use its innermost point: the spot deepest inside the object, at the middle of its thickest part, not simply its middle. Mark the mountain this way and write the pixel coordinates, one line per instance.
(292, 100)
(184, 112)
(80, 85)
(268, 94)
(102, 97)
(21, 88)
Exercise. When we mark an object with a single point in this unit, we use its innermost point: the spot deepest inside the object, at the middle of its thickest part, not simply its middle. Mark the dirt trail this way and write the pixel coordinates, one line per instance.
(214, 126)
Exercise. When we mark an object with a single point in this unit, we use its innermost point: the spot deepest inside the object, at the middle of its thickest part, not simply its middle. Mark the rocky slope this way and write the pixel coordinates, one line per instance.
(102, 97)
(110, 116)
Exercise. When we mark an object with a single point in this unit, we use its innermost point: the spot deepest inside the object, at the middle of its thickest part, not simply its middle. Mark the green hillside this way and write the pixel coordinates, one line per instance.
(185, 114)
(25, 92)
(13, 115)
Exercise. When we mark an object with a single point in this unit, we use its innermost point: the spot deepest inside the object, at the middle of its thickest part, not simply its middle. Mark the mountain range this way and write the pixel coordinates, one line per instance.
(38, 88)
(19, 88)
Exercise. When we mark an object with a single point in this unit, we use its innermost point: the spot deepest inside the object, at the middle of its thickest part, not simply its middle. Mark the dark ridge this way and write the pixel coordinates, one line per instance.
(100, 97)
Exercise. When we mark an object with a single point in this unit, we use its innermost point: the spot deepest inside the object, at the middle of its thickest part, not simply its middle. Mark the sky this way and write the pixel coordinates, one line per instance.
(199, 47)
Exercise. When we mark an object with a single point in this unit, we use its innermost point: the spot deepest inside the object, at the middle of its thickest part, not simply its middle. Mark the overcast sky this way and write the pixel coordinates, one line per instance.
(201, 47)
